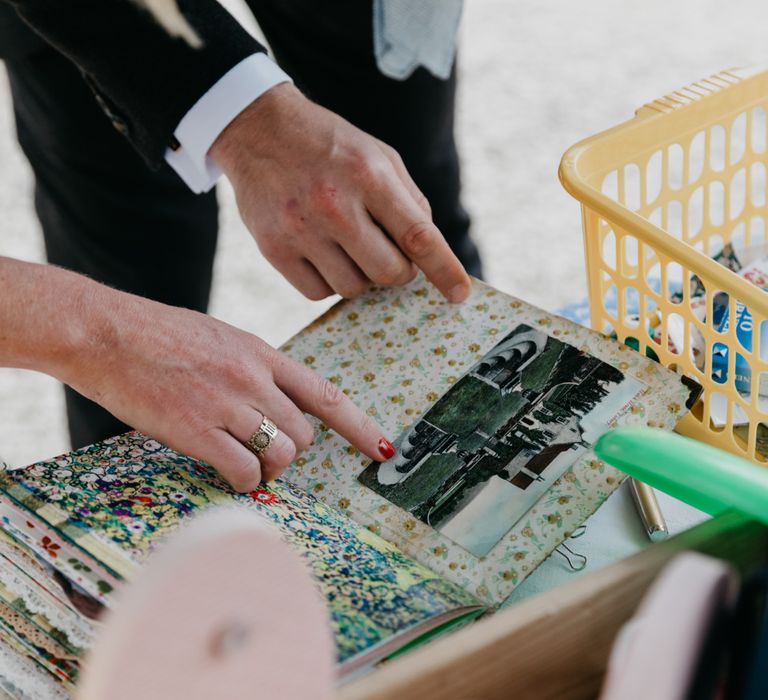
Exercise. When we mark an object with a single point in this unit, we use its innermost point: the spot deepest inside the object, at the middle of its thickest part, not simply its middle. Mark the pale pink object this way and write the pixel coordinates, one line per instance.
(657, 651)
(226, 610)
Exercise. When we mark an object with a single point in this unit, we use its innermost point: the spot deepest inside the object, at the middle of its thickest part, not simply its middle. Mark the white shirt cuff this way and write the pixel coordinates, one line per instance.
(211, 114)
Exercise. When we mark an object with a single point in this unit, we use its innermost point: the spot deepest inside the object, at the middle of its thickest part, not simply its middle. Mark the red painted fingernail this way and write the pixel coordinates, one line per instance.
(386, 448)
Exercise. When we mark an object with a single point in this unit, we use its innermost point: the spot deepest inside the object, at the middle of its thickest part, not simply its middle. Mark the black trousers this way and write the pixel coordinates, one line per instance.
(105, 214)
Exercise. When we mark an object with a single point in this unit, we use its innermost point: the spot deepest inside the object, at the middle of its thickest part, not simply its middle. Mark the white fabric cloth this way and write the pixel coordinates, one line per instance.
(211, 114)
(408, 34)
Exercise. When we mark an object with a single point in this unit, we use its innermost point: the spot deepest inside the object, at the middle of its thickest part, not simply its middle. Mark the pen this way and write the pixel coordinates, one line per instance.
(649, 510)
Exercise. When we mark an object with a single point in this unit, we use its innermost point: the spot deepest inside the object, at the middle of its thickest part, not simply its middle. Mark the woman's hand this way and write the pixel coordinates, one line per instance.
(194, 383)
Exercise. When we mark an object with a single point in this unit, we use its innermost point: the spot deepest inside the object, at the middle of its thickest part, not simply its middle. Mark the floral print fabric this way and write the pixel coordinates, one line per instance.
(112, 503)
(395, 352)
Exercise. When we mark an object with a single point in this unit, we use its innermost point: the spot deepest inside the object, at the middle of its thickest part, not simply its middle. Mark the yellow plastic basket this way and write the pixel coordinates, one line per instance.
(660, 194)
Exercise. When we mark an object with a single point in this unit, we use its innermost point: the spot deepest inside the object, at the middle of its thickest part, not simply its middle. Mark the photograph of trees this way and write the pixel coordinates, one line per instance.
(508, 428)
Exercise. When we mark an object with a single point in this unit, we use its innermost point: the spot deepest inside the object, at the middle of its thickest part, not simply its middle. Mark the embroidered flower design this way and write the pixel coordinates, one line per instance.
(53, 492)
(263, 496)
(78, 565)
(37, 470)
(49, 546)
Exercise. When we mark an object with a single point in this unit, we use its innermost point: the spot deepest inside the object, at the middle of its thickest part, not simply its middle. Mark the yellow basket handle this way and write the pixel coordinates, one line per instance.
(696, 91)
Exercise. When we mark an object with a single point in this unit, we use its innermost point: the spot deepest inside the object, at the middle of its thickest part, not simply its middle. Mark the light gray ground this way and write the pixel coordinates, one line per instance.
(535, 78)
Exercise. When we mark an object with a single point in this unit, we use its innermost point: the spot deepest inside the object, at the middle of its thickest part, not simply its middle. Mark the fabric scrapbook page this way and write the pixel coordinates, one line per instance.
(37, 622)
(496, 404)
(23, 678)
(96, 514)
(34, 586)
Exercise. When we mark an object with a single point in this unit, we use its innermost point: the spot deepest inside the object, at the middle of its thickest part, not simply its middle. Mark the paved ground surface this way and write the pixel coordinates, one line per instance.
(536, 77)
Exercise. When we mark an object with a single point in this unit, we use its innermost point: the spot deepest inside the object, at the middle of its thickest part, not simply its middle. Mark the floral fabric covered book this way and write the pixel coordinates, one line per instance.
(496, 404)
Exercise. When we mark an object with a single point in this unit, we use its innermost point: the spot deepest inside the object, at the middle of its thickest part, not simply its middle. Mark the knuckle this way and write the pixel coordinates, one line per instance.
(316, 293)
(234, 368)
(250, 371)
(326, 199)
(351, 291)
(391, 153)
(389, 273)
(424, 204)
(365, 424)
(349, 234)
(368, 168)
(351, 287)
(257, 364)
(268, 358)
(410, 274)
(194, 423)
(357, 161)
(419, 240)
(243, 475)
(328, 397)
(271, 247)
(281, 454)
(305, 436)
(394, 154)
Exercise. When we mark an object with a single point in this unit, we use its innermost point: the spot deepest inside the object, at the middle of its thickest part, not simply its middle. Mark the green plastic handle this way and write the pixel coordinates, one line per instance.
(702, 476)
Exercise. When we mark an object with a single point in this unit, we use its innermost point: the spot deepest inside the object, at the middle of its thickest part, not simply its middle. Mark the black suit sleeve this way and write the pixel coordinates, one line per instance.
(144, 79)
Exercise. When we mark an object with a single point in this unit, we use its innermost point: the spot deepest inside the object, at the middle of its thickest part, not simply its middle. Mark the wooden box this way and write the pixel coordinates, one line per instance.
(555, 644)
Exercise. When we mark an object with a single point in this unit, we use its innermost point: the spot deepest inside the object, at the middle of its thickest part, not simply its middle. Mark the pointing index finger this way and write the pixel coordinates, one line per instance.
(319, 397)
(393, 207)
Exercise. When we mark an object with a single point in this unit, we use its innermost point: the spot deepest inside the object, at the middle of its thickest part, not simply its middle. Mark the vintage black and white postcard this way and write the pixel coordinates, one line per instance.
(476, 461)
(496, 403)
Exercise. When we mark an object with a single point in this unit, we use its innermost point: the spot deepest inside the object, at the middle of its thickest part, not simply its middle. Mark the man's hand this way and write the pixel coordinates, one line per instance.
(194, 383)
(332, 208)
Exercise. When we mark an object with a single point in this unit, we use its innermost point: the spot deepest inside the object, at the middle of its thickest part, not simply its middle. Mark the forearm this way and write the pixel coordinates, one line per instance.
(192, 382)
(50, 318)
